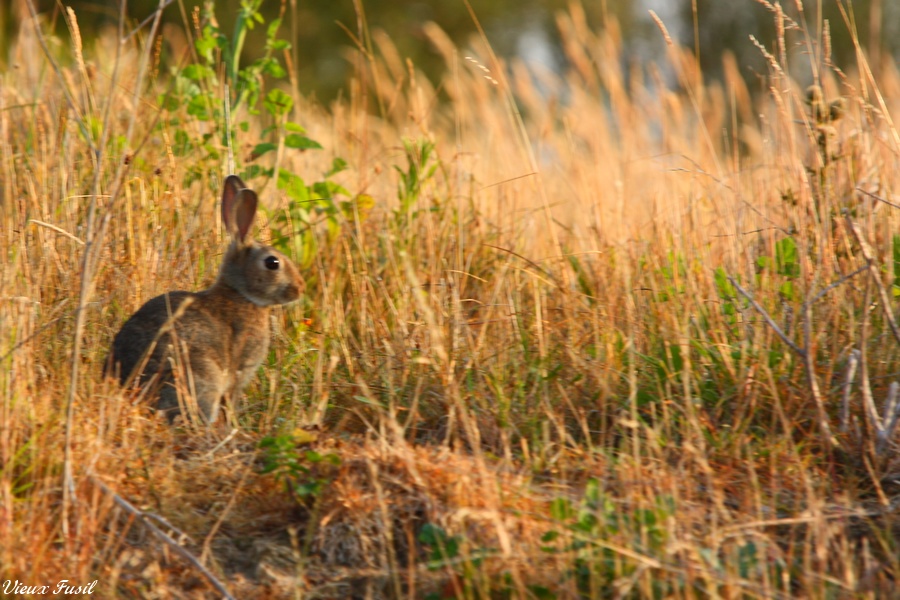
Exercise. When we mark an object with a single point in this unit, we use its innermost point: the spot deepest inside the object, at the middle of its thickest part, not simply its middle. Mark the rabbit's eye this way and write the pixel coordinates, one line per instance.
(272, 263)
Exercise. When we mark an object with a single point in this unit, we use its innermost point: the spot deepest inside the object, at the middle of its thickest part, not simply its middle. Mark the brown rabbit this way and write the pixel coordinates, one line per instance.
(217, 337)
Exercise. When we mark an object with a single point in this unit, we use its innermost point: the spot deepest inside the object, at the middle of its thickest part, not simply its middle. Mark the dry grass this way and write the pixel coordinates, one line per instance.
(539, 356)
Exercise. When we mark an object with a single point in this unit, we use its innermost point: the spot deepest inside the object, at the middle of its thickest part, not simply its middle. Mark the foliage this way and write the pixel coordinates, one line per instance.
(198, 90)
(294, 467)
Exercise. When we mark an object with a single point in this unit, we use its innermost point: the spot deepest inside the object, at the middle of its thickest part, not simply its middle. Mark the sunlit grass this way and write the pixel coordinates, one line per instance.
(547, 334)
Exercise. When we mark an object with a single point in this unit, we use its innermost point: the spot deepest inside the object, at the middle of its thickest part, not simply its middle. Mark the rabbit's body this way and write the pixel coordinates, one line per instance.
(217, 337)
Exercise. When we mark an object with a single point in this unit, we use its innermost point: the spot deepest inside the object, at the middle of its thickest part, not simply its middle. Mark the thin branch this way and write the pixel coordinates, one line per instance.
(531, 263)
(804, 353)
(58, 230)
(765, 315)
(852, 364)
(891, 416)
(867, 253)
(165, 4)
(146, 519)
(837, 283)
(809, 360)
(95, 226)
(868, 400)
(877, 197)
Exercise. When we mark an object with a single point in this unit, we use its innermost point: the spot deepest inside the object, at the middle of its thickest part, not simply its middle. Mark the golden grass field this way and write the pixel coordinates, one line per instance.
(619, 332)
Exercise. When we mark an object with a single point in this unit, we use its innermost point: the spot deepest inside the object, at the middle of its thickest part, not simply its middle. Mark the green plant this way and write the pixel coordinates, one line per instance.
(895, 262)
(593, 527)
(197, 89)
(197, 83)
(784, 266)
(446, 553)
(309, 204)
(421, 165)
(293, 466)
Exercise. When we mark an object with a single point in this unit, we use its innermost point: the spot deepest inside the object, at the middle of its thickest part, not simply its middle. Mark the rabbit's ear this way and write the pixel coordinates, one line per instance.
(238, 208)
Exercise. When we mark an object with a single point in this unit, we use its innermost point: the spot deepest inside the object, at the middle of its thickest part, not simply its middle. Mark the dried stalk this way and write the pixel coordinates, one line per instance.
(891, 417)
(803, 353)
(96, 228)
(852, 363)
(146, 519)
(867, 253)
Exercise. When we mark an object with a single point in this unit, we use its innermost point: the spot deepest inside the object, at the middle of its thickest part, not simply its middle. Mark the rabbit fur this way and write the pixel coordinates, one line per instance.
(218, 337)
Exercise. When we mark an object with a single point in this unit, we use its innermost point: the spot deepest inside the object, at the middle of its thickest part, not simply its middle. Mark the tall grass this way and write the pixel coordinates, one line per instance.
(616, 332)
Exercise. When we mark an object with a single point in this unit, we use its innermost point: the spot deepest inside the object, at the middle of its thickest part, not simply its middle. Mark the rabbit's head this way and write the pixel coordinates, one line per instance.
(260, 273)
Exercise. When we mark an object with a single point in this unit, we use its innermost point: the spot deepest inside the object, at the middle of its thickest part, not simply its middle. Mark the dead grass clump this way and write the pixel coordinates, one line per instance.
(382, 496)
(363, 529)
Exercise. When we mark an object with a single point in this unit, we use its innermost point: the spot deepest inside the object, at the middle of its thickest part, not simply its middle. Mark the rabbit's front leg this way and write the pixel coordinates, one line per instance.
(210, 390)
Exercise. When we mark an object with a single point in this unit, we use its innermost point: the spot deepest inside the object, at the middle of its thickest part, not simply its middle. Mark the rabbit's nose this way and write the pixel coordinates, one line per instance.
(292, 292)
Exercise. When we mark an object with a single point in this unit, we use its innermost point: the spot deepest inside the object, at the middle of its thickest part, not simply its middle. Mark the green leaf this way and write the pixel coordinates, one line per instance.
(541, 593)
(293, 186)
(431, 535)
(199, 107)
(786, 258)
(301, 142)
(561, 509)
(329, 189)
(337, 165)
(261, 149)
(309, 488)
(197, 72)
(274, 69)
(272, 29)
(278, 103)
(209, 41)
(723, 286)
(787, 290)
(895, 250)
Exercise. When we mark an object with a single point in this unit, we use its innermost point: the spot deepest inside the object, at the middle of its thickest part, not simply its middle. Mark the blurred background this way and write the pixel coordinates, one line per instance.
(321, 30)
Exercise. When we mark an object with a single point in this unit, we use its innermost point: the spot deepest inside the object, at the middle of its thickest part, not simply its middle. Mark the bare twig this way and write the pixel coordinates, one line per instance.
(852, 364)
(836, 284)
(533, 264)
(891, 416)
(867, 253)
(146, 519)
(163, 5)
(803, 353)
(809, 360)
(877, 197)
(768, 319)
(68, 481)
(868, 401)
(58, 230)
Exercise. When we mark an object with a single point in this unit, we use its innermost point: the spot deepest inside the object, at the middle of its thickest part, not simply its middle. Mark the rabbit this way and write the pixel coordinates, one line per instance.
(218, 336)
